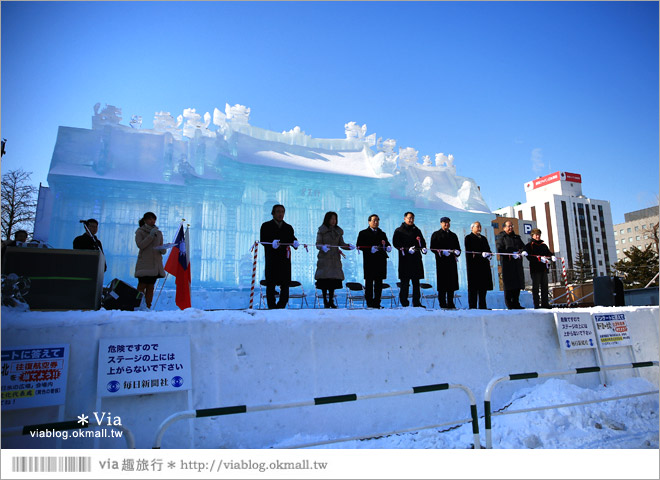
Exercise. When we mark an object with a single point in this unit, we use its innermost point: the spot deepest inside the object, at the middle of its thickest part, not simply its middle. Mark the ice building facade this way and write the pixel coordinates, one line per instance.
(223, 175)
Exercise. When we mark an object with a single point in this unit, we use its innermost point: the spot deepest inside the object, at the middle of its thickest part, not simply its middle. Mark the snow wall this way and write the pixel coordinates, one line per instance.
(273, 357)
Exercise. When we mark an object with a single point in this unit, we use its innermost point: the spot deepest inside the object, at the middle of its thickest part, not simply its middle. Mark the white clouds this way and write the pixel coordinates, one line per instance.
(537, 160)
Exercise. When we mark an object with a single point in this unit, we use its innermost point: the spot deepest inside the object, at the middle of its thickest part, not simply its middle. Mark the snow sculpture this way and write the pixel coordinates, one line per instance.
(407, 156)
(136, 122)
(165, 122)
(195, 124)
(110, 115)
(238, 114)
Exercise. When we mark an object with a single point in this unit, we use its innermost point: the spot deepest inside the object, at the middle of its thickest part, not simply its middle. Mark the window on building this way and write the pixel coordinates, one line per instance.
(597, 240)
(636, 228)
(600, 262)
(629, 239)
(646, 237)
(629, 229)
(595, 228)
(621, 231)
(595, 218)
(593, 207)
(623, 240)
(616, 242)
(598, 251)
(638, 238)
(618, 252)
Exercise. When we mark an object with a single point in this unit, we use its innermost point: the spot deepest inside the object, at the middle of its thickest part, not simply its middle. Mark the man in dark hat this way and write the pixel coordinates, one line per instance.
(539, 256)
(445, 247)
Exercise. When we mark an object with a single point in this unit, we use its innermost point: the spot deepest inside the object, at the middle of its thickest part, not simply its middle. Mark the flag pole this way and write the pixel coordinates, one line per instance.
(161, 289)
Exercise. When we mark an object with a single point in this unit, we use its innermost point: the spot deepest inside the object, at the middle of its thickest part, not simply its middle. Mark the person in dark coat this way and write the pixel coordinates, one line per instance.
(373, 243)
(329, 273)
(538, 255)
(513, 277)
(278, 257)
(408, 239)
(89, 240)
(479, 277)
(445, 262)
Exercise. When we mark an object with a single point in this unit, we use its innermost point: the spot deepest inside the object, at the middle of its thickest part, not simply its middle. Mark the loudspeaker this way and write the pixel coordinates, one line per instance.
(121, 296)
(59, 279)
(608, 292)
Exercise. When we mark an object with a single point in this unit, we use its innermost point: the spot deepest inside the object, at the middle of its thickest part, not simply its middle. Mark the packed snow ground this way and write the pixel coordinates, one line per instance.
(629, 423)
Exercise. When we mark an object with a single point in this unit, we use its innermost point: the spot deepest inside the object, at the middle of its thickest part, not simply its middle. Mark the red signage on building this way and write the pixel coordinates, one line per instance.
(555, 177)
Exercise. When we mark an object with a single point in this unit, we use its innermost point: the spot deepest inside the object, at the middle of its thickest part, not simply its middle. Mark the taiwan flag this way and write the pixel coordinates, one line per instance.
(178, 264)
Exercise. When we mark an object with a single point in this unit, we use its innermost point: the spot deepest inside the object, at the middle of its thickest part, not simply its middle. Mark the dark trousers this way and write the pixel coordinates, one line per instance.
(540, 289)
(403, 293)
(270, 296)
(373, 288)
(511, 298)
(473, 295)
(446, 298)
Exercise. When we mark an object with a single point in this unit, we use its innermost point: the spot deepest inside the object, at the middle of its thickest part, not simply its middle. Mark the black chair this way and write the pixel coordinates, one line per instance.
(355, 293)
(293, 284)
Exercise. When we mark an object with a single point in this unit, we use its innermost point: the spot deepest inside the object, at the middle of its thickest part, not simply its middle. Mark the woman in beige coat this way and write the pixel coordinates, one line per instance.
(329, 274)
(149, 266)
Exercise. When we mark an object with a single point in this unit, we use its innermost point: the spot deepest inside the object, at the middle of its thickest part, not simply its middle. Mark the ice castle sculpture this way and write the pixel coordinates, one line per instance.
(223, 175)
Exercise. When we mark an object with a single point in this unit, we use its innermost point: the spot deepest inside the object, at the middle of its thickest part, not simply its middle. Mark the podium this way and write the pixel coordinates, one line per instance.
(60, 279)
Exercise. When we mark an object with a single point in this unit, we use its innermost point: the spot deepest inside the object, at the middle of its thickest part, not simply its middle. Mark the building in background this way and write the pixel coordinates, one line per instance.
(637, 230)
(571, 222)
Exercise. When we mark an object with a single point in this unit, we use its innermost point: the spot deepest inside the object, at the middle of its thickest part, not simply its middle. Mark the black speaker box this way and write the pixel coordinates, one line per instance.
(59, 279)
(121, 296)
(608, 292)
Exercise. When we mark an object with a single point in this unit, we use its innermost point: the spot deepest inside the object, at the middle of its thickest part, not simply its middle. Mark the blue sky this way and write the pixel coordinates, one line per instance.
(513, 90)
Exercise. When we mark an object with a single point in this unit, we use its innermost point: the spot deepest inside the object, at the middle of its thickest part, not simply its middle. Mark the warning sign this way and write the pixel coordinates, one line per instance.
(575, 330)
(612, 330)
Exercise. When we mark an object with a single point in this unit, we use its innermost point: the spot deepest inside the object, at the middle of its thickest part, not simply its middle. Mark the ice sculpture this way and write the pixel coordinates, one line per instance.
(223, 175)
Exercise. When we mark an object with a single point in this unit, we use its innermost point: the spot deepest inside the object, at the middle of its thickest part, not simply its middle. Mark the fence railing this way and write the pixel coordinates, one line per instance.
(238, 409)
(575, 371)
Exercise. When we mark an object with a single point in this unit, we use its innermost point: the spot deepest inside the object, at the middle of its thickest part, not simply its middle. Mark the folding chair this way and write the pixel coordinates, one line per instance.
(355, 292)
(301, 295)
(388, 296)
(262, 293)
(428, 292)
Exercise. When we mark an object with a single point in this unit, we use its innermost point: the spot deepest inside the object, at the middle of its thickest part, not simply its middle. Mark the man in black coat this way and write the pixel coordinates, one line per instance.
(538, 257)
(374, 246)
(89, 240)
(278, 257)
(408, 239)
(479, 277)
(445, 262)
(513, 277)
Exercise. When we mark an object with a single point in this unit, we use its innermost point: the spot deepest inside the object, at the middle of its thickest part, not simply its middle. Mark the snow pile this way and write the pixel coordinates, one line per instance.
(625, 423)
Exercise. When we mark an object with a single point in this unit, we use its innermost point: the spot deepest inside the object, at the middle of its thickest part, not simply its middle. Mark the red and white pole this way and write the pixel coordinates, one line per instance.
(255, 247)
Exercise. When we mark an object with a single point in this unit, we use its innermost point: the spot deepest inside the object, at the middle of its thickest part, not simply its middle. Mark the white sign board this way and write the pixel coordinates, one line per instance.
(612, 330)
(141, 365)
(575, 330)
(34, 376)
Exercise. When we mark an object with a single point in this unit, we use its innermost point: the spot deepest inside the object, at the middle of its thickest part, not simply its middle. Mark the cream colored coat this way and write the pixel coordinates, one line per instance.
(149, 261)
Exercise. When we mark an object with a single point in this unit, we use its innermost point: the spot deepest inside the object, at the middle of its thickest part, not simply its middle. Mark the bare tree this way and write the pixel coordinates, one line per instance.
(19, 202)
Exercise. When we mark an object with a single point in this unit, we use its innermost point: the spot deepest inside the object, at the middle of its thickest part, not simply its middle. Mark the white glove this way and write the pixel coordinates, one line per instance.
(524, 253)
(544, 260)
(516, 256)
(374, 249)
(457, 253)
(276, 243)
(411, 250)
(389, 248)
(325, 248)
(486, 255)
(424, 250)
(296, 244)
(554, 259)
(351, 246)
(445, 253)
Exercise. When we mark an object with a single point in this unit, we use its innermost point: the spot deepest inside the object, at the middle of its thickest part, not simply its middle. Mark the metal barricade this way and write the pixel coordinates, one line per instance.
(237, 409)
(522, 376)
